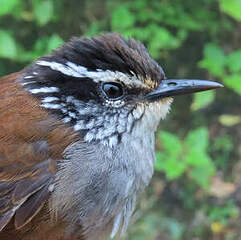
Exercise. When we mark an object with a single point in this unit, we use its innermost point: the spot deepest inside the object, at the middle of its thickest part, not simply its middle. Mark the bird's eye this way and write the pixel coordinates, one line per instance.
(112, 90)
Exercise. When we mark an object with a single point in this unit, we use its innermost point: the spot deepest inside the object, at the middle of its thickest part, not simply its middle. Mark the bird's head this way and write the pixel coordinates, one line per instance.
(105, 86)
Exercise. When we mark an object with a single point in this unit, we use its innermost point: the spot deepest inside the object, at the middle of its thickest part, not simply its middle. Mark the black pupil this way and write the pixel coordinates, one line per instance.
(112, 90)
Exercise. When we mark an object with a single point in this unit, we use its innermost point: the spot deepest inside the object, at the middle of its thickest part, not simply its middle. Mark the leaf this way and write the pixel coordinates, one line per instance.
(161, 159)
(7, 6)
(224, 212)
(122, 18)
(214, 59)
(54, 42)
(160, 38)
(170, 142)
(43, 11)
(232, 7)
(202, 174)
(201, 166)
(93, 30)
(196, 157)
(229, 120)
(40, 46)
(233, 81)
(140, 5)
(174, 167)
(8, 46)
(223, 143)
(171, 165)
(202, 100)
(176, 229)
(197, 139)
(233, 61)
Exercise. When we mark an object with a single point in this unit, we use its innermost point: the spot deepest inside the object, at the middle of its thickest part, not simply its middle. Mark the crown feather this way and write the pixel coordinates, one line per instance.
(112, 52)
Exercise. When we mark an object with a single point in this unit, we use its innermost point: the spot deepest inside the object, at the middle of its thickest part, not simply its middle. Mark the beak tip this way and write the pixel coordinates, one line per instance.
(215, 85)
(219, 85)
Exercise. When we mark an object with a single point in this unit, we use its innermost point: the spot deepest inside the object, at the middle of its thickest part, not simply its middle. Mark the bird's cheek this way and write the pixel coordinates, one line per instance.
(160, 108)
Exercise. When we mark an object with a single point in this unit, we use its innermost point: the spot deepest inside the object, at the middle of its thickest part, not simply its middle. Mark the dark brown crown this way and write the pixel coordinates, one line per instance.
(111, 52)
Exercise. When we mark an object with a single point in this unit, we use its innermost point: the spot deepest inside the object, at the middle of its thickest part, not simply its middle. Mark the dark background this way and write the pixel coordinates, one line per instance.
(196, 190)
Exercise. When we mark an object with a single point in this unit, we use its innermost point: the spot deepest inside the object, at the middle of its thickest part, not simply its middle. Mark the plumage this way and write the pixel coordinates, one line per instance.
(28, 153)
(77, 138)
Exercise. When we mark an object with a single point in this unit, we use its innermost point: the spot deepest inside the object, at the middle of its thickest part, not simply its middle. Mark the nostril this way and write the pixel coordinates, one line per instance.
(172, 84)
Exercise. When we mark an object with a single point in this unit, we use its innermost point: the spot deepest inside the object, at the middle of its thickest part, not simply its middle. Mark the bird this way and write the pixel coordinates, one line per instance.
(77, 136)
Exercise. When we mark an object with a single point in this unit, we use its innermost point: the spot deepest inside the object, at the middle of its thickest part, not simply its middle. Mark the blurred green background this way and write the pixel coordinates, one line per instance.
(196, 190)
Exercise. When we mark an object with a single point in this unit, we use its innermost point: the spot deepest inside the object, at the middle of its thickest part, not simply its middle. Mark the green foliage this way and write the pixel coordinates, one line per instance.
(45, 45)
(187, 157)
(8, 48)
(202, 100)
(232, 7)
(221, 151)
(225, 66)
(7, 6)
(54, 42)
(229, 120)
(150, 225)
(122, 13)
(214, 59)
(222, 213)
(233, 61)
(149, 21)
(43, 11)
(233, 81)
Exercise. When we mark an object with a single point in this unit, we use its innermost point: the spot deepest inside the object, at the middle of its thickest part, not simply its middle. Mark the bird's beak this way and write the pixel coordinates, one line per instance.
(172, 87)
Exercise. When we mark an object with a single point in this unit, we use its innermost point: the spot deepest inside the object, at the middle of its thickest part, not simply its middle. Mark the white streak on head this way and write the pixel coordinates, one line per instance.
(67, 119)
(28, 82)
(70, 69)
(90, 135)
(44, 90)
(64, 110)
(28, 77)
(72, 115)
(78, 126)
(74, 70)
(51, 106)
(49, 99)
(90, 124)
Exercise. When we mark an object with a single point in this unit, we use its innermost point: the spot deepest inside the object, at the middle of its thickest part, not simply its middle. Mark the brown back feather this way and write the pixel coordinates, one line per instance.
(31, 142)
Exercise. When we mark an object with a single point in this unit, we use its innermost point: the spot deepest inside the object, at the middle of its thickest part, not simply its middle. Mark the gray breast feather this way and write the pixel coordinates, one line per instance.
(97, 185)
(94, 191)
